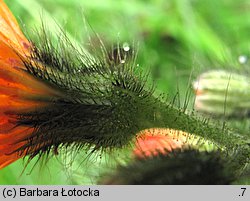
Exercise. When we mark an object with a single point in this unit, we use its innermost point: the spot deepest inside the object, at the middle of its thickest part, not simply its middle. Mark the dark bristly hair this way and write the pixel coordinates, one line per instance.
(102, 100)
(59, 95)
(185, 167)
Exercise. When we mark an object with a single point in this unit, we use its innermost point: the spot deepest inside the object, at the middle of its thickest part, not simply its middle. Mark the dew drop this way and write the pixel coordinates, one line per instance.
(242, 59)
(122, 61)
(126, 47)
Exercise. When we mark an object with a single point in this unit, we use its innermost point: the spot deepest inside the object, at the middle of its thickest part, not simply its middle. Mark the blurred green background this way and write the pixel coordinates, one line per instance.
(178, 39)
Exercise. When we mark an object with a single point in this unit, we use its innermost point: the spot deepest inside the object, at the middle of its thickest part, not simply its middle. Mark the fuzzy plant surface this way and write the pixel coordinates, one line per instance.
(101, 95)
(175, 168)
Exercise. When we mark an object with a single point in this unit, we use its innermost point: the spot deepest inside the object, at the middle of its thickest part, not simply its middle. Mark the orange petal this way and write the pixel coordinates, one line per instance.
(151, 142)
(19, 90)
(10, 32)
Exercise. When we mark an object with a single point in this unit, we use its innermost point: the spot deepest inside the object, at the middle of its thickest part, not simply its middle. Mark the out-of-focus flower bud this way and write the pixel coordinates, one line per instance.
(220, 92)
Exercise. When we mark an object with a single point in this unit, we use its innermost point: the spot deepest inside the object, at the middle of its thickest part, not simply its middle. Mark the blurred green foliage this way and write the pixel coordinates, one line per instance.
(178, 39)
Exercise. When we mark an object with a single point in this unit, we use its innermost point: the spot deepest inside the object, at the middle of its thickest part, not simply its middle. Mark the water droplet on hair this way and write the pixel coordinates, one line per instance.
(126, 47)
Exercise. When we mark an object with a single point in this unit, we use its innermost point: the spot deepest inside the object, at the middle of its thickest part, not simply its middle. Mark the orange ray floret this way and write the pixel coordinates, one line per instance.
(10, 32)
(155, 141)
(19, 91)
